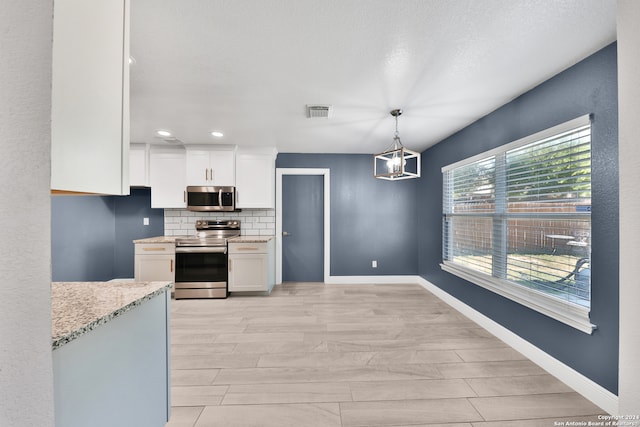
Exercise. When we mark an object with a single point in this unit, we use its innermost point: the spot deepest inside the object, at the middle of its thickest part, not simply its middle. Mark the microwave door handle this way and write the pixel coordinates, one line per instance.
(220, 197)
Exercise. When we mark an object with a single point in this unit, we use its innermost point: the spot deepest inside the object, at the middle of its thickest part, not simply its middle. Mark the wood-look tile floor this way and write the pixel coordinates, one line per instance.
(352, 355)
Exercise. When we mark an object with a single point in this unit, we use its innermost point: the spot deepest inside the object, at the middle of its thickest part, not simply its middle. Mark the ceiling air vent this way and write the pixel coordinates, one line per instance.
(169, 139)
(319, 111)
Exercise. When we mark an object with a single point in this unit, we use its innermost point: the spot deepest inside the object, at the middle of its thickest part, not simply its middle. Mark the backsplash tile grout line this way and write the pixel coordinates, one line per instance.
(254, 222)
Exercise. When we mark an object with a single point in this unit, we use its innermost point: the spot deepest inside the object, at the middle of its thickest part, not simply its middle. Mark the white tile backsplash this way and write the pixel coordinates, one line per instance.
(254, 222)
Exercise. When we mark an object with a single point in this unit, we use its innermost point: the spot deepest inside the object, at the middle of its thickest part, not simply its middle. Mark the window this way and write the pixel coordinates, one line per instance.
(517, 221)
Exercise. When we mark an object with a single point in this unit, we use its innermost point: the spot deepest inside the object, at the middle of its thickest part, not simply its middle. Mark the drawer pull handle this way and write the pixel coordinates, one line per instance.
(248, 249)
(171, 266)
(154, 249)
(230, 261)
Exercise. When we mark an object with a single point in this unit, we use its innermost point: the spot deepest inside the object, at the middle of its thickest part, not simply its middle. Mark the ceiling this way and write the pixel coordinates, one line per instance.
(248, 68)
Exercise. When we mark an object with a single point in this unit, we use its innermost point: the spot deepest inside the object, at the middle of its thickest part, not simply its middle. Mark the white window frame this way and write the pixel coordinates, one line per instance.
(569, 313)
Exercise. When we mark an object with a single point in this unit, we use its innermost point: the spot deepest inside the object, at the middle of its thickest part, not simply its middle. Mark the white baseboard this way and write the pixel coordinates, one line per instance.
(374, 280)
(581, 384)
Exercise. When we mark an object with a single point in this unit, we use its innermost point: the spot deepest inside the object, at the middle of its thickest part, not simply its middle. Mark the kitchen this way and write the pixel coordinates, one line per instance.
(27, 225)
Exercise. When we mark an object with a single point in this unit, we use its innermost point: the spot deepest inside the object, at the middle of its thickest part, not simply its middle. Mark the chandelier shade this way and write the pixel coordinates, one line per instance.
(396, 162)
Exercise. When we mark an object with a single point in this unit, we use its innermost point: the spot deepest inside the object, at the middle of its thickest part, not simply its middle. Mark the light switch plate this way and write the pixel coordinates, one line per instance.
(145, 221)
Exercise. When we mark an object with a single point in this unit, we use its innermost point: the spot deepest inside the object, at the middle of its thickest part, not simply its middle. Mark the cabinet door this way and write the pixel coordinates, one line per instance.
(90, 97)
(248, 272)
(149, 268)
(223, 168)
(167, 179)
(210, 167)
(255, 181)
(198, 167)
(138, 165)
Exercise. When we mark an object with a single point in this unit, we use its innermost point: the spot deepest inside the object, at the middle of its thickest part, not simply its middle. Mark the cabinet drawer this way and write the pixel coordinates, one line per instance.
(155, 248)
(248, 248)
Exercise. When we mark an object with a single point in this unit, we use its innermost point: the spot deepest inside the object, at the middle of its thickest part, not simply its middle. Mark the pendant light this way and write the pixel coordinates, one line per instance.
(396, 162)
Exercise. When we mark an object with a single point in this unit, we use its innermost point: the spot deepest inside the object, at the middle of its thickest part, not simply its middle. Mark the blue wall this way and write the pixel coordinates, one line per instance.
(588, 87)
(371, 219)
(91, 236)
(129, 213)
(82, 232)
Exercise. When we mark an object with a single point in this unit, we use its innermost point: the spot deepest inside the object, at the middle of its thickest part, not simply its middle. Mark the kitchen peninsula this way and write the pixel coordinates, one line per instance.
(110, 344)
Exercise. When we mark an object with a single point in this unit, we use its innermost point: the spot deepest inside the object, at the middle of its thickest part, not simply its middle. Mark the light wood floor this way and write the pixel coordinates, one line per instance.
(352, 355)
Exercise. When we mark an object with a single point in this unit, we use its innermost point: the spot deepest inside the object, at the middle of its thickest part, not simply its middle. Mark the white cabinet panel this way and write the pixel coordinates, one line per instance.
(247, 272)
(90, 97)
(139, 165)
(255, 180)
(223, 168)
(208, 166)
(151, 268)
(198, 167)
(154, 262)
(167, 178)
(251, 267)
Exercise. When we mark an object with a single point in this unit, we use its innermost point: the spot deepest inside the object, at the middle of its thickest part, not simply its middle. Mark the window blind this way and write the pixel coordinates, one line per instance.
(520, 217)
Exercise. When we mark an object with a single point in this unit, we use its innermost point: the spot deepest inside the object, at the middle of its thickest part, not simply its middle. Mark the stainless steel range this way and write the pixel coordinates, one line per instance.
(201, 261)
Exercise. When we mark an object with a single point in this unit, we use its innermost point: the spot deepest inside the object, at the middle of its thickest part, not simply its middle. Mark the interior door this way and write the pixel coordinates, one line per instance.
(302, 228)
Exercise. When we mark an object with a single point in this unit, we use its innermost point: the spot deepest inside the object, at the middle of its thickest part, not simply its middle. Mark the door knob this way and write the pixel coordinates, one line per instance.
(285, 233)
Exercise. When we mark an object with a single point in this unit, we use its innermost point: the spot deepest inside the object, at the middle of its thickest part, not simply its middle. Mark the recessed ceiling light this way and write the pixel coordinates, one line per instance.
(161, 132)
(217, 134)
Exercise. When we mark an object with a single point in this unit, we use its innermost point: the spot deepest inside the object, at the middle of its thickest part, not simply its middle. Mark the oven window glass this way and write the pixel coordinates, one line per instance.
(201, 267)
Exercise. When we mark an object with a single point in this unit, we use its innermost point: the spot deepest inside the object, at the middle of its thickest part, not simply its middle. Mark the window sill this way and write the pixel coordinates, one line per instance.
(568, 313)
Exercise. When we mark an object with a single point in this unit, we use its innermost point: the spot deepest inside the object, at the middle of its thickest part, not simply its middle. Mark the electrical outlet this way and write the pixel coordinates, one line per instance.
(374, 264)
(145, 221)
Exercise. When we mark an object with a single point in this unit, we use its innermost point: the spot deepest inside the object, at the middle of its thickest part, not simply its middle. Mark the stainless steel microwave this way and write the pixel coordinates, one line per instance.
(205, 199)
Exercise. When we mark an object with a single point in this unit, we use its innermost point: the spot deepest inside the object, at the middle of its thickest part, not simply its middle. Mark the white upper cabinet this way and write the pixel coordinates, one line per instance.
(90, 97)
(255, 178)
(210, 166)
(167, 177)
(139, 165)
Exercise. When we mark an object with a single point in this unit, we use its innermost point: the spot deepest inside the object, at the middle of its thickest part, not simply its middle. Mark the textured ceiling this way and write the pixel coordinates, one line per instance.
(249, 67)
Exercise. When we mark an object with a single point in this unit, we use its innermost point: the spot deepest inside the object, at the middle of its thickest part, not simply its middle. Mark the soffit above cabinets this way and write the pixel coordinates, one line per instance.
(249, 68)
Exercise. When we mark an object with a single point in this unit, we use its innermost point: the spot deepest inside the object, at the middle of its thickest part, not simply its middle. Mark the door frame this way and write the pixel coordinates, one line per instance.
(326, 173)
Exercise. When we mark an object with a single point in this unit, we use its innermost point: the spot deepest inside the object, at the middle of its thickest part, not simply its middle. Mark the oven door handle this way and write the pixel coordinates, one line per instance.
(201, 249)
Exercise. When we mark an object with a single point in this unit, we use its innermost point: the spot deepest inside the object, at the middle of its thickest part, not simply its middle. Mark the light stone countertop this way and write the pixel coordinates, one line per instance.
(79, 307)
(159, 239)
(251, 239)
(172, 239)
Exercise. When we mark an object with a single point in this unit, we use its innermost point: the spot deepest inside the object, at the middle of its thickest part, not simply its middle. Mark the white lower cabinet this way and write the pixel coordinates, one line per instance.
(251, 266)
(154, 262)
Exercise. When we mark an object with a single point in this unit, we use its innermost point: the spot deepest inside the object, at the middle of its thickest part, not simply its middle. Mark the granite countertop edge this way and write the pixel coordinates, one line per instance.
(158, 239)
(172, 239)
(251, 239)
(61, 340)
